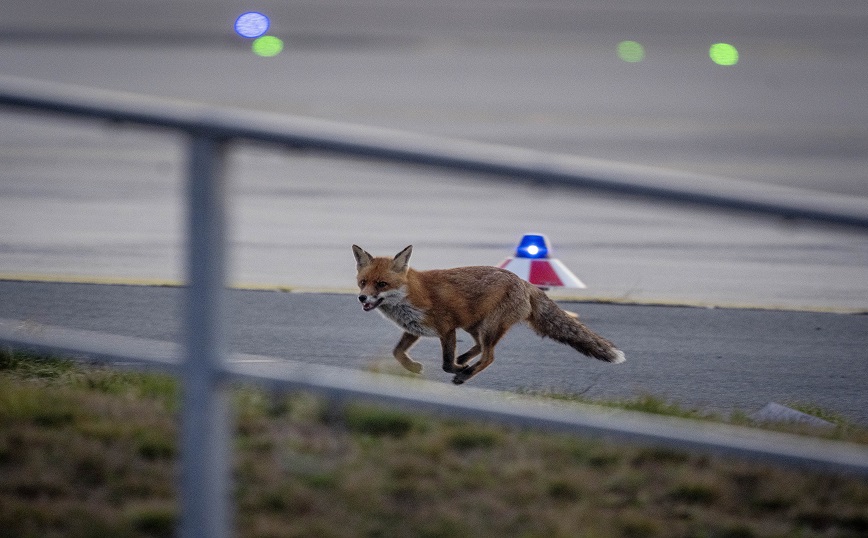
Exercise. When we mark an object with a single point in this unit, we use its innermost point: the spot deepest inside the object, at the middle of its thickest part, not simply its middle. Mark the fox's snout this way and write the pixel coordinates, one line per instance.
(369, 303)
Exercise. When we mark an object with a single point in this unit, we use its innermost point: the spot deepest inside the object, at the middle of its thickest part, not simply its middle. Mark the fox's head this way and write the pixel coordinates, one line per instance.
(381, 280)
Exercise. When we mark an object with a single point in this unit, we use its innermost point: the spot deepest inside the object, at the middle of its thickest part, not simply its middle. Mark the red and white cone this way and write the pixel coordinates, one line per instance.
(532, 263)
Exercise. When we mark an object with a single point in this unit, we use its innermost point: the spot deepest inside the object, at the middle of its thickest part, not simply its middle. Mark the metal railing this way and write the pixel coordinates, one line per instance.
(204, 364)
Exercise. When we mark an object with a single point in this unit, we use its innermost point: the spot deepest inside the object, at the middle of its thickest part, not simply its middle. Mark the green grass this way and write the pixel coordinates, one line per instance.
(842, 429)
(92, 451)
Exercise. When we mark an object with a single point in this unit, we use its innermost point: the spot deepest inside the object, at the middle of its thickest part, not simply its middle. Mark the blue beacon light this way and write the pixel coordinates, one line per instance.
(251, 24)
(533, 246)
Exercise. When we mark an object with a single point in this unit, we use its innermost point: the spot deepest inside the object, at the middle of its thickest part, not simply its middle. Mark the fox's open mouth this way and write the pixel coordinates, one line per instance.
(370, 306)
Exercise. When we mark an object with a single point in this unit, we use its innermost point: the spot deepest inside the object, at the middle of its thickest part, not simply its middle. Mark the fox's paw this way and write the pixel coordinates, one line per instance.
(413, 366)
(462, 376)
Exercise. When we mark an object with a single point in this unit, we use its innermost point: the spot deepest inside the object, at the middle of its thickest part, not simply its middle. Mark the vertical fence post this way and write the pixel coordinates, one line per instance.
(205, 425)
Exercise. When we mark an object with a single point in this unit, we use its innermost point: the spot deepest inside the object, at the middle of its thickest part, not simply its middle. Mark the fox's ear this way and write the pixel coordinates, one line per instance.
(362, 257)
(402, 260)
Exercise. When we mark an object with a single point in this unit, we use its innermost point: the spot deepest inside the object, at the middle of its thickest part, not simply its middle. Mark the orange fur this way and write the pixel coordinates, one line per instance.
(483, 301)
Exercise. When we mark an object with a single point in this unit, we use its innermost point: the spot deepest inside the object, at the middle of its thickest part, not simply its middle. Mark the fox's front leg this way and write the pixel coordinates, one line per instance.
(485, 341)
(464, 358)
(400, 353)
(448, 341)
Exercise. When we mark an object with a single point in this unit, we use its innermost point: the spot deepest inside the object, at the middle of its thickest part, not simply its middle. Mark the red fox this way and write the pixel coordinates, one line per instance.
(483, 301)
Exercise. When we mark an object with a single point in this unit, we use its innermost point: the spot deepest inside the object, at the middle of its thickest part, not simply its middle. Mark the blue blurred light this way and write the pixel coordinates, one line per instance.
(251, 24)
(533, 246)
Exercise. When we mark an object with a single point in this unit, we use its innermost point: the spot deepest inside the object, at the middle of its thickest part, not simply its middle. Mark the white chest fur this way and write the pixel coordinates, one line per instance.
(408, 317)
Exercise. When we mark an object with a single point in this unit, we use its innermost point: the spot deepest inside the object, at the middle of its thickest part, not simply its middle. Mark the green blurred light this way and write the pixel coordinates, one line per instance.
(631, 51)
(267, 46)
(723, 54)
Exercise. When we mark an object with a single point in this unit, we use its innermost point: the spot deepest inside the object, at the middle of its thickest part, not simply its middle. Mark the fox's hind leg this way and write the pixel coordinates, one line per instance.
(400, 353)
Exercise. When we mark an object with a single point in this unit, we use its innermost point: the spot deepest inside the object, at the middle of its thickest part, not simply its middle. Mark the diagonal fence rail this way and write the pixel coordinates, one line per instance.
(204, 363)
(343, 383)
(505, 162)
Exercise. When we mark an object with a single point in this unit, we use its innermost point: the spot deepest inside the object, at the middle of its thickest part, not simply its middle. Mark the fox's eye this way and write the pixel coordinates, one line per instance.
(381, 284)
(362, 283)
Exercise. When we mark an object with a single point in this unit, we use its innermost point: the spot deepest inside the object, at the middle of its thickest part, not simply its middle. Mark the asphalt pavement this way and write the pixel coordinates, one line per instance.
(712, 359)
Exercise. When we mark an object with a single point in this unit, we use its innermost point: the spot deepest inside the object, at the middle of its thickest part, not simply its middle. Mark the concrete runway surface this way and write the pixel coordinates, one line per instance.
(104, 201)
(717, 360)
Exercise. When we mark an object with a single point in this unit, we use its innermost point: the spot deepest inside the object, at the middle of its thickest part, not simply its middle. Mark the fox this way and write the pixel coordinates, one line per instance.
(483, 301)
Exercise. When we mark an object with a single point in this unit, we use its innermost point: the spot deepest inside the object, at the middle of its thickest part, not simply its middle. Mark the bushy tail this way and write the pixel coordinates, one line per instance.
(547, 319)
